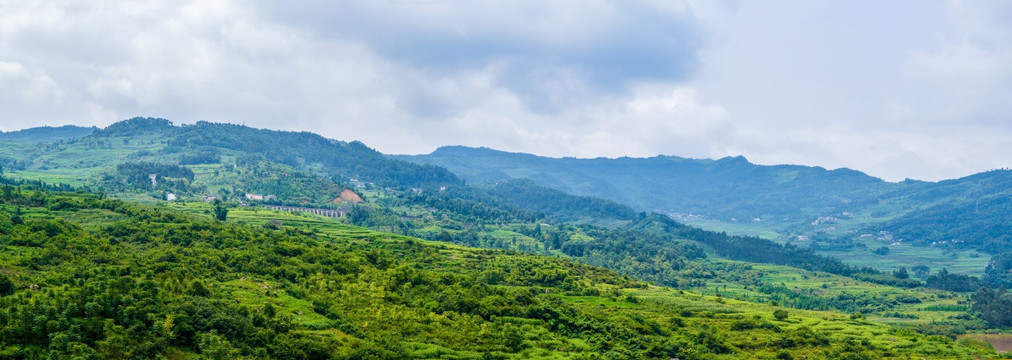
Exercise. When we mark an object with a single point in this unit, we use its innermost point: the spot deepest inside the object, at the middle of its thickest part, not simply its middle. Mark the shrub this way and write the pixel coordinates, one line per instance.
(6, 285)
(780, 315)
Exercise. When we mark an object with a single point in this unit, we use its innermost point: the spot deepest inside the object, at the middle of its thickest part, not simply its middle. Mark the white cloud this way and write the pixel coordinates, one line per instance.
(899, 90)
(958, 64)
(655, 119)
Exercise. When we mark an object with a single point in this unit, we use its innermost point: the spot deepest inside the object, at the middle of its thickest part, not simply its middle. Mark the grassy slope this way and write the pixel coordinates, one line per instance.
(78, 162)
(399, 298)
(797, 280)
(82, 159)
(970, 262)
(721, 313)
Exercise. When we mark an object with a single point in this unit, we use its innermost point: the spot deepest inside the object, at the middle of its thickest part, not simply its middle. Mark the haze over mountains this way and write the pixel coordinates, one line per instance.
(48, 134)
(964, 213)
(728, 189)
(780, 197)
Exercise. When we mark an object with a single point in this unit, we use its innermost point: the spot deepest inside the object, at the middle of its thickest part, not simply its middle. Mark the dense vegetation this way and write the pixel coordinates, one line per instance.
(526, 194)
(998, 273)
(519, 216)
(124, 281)
(352, 159)
(975, 218)
(149, 176)
(725, 189)
(994, 306)
(953, 282)
(506, 215)
(952, 215)
(254, 174)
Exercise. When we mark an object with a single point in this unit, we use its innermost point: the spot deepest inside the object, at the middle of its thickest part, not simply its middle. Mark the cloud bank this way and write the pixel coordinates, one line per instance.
(896, 89)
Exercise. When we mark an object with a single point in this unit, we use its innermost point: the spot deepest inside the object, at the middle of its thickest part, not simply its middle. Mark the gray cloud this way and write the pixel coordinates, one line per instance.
(540, 49)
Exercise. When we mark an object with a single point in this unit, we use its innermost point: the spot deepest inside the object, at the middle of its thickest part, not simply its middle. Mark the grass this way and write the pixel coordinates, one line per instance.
(258, 293)
(932, 306)
(724, 316)
(969, 262)
(744, 327)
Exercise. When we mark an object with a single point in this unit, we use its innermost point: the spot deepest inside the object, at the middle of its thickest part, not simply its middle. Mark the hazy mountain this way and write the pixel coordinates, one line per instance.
(723, 189)
(47, 134)
(515, 202)
(965, 213)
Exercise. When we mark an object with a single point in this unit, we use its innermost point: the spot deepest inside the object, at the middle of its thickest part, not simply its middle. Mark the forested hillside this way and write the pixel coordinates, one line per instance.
(154, 140)
(967, 213)
(724, 189)
(203, 171)
(308, 149)
(830, 211)
(89, 277)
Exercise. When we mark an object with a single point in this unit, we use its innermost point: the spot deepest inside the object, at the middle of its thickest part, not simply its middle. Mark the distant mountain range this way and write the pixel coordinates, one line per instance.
(795, 201)
(967, 212)
(724, 189)
(258, 232)
(48, 134)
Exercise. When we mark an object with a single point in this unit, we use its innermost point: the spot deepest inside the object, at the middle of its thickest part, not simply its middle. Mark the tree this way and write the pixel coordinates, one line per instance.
(921, 270)
(780, 314)
(943, 280)
(993, 306)
(220, 211)
(997, 273)
(16, 218)
(358, 215)
(6, 285)
(901, 273)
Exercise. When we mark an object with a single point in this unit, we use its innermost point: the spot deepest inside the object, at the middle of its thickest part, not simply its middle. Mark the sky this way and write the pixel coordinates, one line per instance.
(897, 89)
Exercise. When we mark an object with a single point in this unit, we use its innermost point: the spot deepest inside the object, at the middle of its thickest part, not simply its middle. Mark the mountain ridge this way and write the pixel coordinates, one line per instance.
(44, 134)
(795, 201)
(203, 162)
(705, 179)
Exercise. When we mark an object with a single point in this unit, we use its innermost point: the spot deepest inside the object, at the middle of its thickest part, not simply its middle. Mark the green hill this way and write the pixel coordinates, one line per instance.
(84, 276)
(726, 189)
(830, 207)
(250, 169)
(152, 140)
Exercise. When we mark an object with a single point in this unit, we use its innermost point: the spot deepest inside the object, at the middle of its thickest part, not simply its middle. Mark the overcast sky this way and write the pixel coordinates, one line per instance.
(897, 89)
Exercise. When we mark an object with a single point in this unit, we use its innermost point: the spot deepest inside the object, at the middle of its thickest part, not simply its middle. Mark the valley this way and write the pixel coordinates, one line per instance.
(306, 247)
(841, 213)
